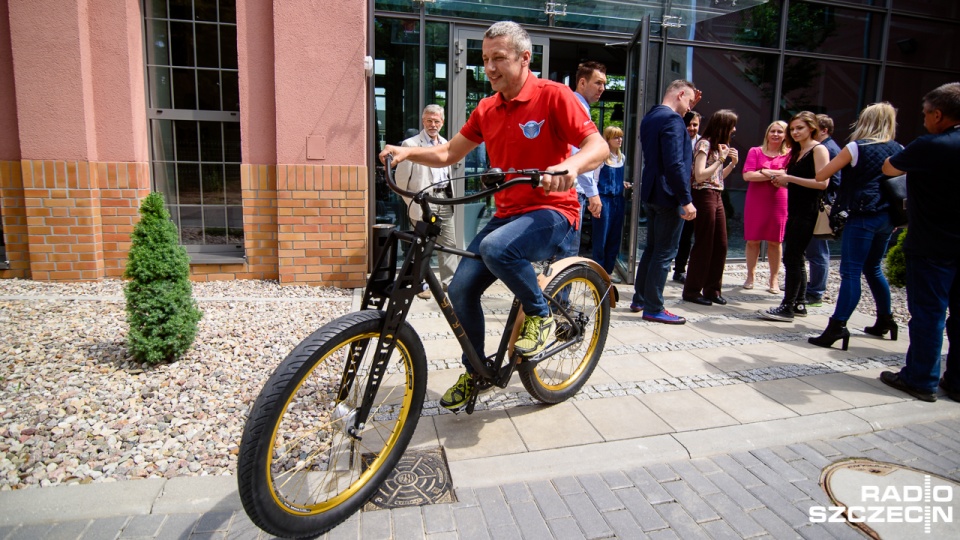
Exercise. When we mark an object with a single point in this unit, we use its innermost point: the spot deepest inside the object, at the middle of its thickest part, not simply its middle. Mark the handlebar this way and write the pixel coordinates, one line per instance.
(493, 179)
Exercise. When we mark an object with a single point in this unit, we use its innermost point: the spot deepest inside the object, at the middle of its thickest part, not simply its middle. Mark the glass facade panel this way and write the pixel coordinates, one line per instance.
(838, 89)
(188, 183)
(924, 42)
(208, 45)
(905, 88)
(396, 81)
(181, 44)
(184, 89)
(759, 26)
(206, 10)
(944, 9)
(836, 31)
(213, 184)
(208, 90)
(181, 9)
(191, 54)
(436, 72)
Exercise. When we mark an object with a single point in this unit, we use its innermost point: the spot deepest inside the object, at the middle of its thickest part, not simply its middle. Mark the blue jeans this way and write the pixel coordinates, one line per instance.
(932, 287)
(572, 246)
(507, 247)
(607, 231)
(818, 254)
(862, 247)
(663, 235)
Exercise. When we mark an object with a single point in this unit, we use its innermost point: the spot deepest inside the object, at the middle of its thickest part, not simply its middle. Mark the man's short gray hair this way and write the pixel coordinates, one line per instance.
(433, 108)
(514, 32)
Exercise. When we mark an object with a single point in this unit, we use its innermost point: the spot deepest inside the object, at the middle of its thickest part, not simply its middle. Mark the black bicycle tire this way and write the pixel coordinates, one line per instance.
(529, 377)
(253, 477)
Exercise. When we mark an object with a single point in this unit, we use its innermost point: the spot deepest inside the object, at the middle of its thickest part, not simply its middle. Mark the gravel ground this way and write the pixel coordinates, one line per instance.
(75, 408)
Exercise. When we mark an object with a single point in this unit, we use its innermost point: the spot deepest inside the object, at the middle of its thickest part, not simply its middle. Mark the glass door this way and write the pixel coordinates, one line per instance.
(469, 86)
(634, 234)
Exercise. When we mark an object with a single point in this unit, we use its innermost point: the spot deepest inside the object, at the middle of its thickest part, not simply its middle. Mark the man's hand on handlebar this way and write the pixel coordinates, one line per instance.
(399, 153)
(557, 182)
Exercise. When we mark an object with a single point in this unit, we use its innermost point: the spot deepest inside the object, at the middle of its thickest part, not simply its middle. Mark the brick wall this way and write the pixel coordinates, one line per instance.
(71, 221)
(14, 216)
(64, 231)
(322, 224)
(122, 187)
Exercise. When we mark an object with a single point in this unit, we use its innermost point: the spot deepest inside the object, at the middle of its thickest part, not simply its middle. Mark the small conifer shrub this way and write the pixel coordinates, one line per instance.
(896, 265)
(161, 311)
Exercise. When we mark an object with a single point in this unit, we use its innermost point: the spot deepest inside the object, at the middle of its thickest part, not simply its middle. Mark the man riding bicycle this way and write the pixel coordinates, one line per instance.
(529, 123)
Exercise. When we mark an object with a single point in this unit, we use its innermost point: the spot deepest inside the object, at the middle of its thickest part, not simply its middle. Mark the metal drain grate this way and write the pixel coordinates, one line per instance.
(421, 477)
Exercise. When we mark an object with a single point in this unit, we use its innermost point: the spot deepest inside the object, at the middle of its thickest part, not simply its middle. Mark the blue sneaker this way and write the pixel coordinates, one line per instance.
(664, 317)
(636, 308)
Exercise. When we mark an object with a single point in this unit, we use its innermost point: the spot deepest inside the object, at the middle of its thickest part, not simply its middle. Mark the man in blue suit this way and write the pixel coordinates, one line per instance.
(665, 192)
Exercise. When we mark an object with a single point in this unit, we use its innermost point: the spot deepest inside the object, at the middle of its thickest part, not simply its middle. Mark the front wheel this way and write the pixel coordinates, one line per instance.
(301, 471)
(581, 292)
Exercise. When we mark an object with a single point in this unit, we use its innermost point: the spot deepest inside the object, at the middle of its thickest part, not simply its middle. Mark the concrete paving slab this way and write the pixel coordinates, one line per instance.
(680, 363)
(728, 439)
(73, 502)
(851, 389)
(728, 359)
(771, 354)
(556, 426)
(185, 495)
(560, 462)
(632, 333)
(481, 434)
(800, 397)
(744, 403)
(910, 411)
(426, 434)
(686, 411)
(631, 367)
(622, 417)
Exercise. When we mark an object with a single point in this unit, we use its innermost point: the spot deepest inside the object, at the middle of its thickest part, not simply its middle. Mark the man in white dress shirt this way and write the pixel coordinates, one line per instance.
(414, 177)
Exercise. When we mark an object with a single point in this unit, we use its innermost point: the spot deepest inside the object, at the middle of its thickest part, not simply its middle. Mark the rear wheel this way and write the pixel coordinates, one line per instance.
(300, 471)
(581, 291)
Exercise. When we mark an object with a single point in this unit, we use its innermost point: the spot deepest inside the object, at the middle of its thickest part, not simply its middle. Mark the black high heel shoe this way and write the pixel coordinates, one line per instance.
(883, 324)
(834, 331)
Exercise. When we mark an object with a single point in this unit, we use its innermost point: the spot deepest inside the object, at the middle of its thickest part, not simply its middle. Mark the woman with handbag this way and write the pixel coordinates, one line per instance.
(867, 232)
(807, 156)
(710, 168)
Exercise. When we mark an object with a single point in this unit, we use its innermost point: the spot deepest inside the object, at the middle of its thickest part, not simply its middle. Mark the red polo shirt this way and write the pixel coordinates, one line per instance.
(535, 130)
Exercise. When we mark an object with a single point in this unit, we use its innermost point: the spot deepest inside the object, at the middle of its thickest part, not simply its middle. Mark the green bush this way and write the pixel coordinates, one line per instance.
(896, 265)
(160, 307)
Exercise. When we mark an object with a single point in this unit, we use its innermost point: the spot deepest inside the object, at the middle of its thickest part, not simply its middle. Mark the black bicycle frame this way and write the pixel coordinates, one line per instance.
(385, 284)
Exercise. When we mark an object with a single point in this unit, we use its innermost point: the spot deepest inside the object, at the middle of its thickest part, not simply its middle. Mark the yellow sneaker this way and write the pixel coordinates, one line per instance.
(534, 335)
(459, 394)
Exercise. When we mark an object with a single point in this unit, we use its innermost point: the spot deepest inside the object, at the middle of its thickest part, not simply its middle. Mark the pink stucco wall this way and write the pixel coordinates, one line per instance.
(9, 133)
(258, 119)
(320, 85)
(118, 81)
(78, 80)
(52, 89)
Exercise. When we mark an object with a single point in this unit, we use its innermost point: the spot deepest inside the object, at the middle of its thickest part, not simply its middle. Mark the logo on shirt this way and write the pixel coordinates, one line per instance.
(531, 129)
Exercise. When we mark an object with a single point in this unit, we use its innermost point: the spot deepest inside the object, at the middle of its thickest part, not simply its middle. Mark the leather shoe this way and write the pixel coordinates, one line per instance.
(951, 392)
(717, 300)
(890, 378)
(703, 301)
(680, 277)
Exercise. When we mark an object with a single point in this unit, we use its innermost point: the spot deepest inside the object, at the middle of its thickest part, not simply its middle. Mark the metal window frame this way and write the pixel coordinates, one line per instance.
(199, 253)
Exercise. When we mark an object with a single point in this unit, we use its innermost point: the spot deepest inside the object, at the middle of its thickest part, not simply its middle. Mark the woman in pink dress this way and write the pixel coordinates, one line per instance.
(765, 210)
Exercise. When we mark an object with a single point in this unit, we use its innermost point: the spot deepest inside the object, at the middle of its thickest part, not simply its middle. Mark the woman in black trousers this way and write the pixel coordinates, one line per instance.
(807, 156)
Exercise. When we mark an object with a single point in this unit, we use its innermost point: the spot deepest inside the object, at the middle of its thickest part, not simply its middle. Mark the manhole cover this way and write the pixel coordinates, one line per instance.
(889, 501)
(421, 477)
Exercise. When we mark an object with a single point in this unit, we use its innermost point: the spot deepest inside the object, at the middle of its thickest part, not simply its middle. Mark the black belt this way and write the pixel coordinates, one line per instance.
(448, 191)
